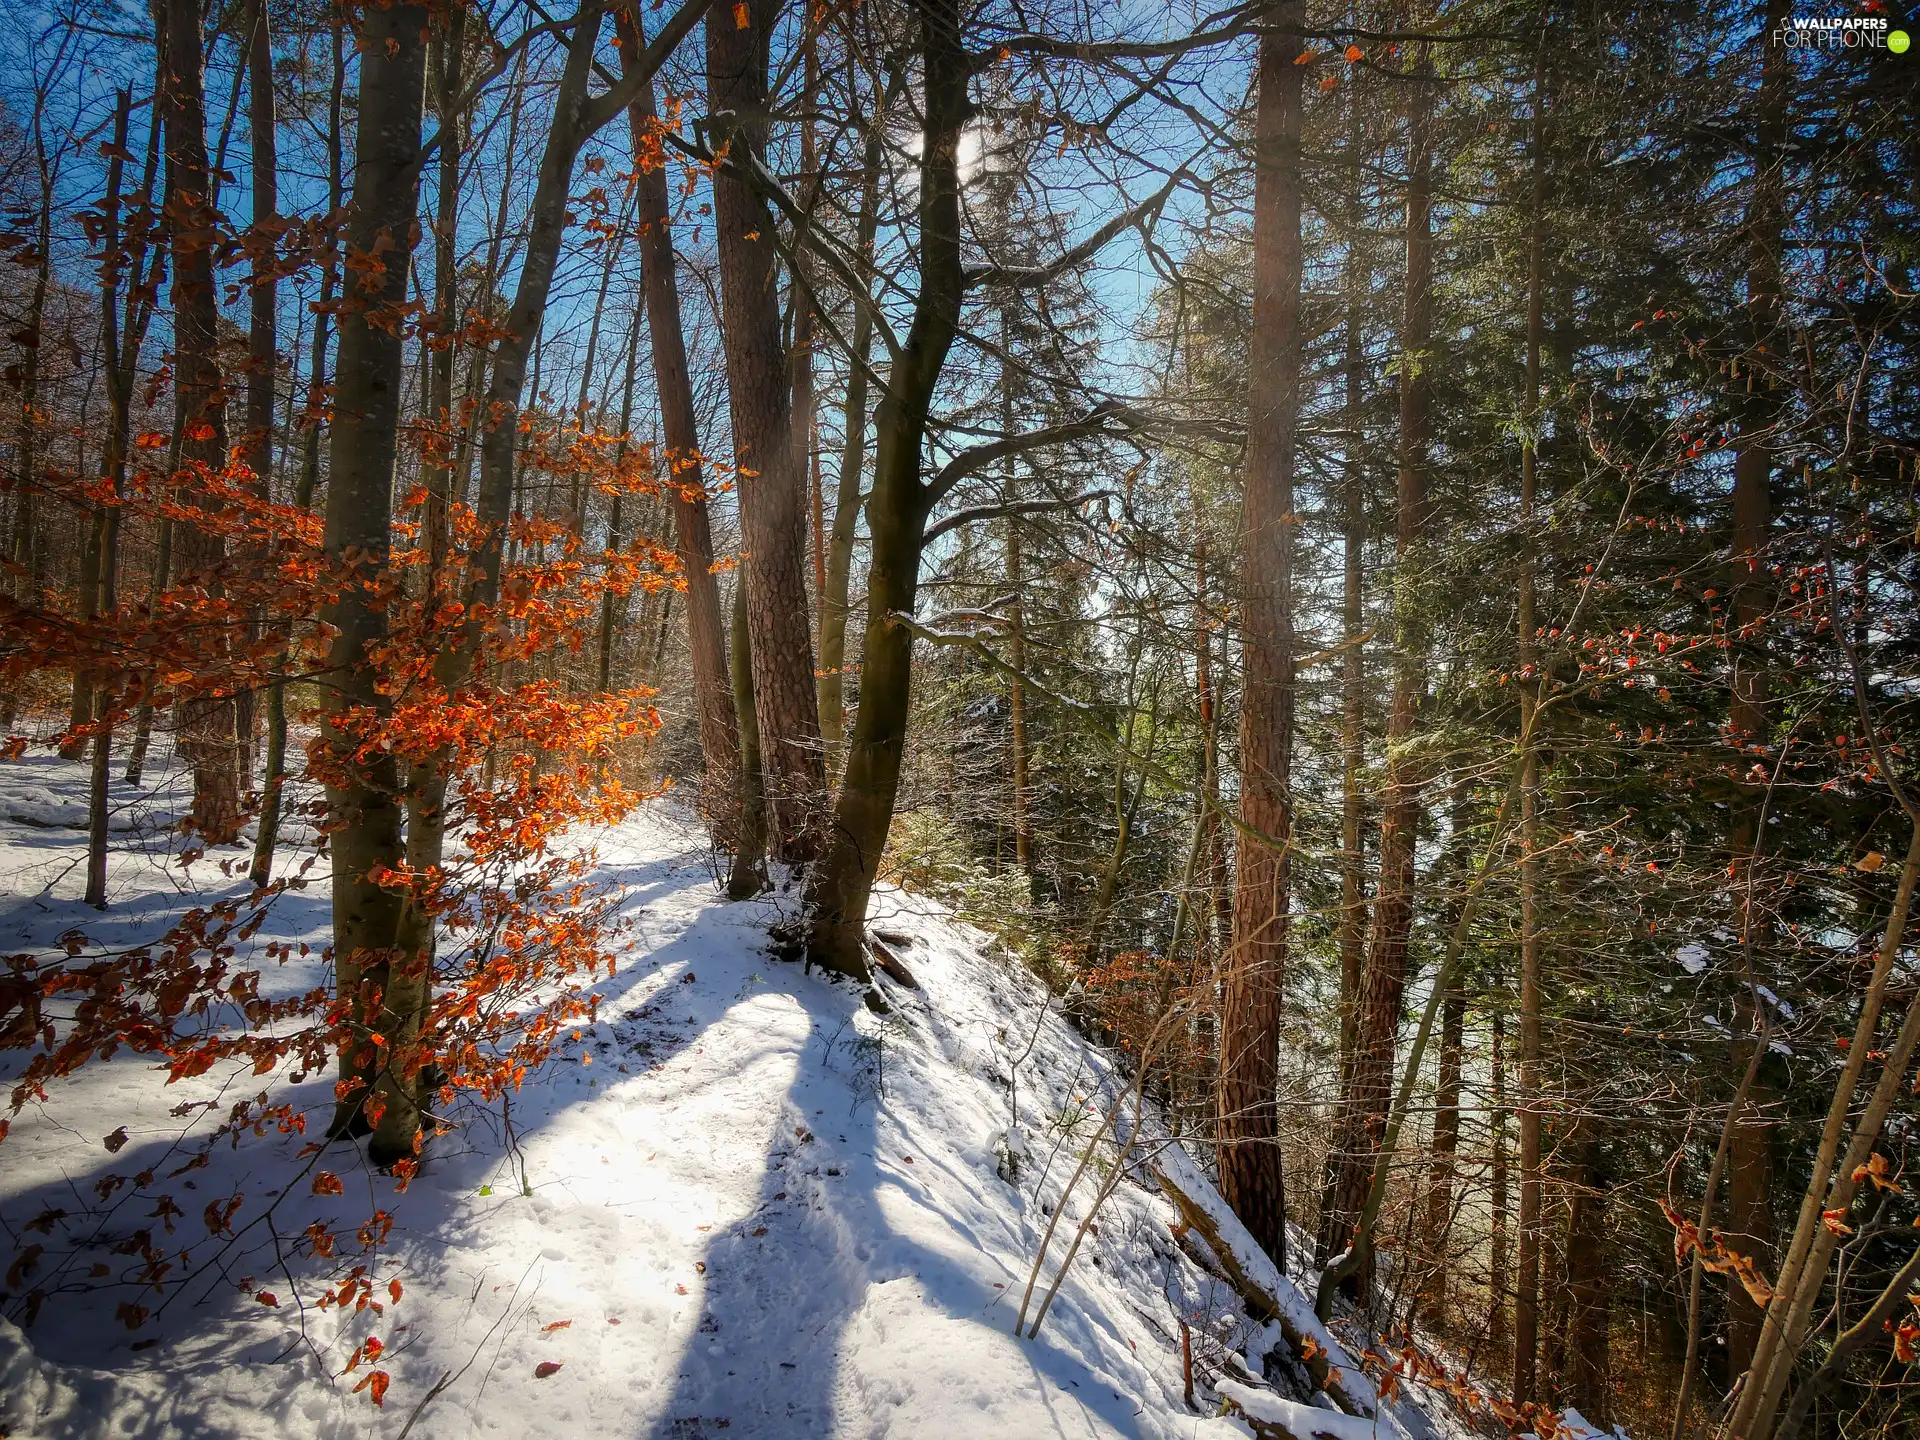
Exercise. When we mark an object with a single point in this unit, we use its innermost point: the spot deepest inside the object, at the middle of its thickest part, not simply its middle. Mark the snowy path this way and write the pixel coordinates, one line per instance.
(760, 1210)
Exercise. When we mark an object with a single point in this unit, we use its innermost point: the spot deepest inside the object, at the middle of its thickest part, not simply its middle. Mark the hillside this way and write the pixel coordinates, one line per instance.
(743, 1202)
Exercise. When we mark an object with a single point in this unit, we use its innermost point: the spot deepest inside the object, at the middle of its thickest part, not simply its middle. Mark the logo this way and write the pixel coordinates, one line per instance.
(1840, 32)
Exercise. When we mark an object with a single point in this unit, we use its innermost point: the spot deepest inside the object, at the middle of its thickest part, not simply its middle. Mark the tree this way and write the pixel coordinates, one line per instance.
(771, 474)
(1252, 1172)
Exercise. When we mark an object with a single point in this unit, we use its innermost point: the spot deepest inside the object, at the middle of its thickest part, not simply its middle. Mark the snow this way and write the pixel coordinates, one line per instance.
(1575, 1426)
(762, 1208)
(1692, 958)
(742, 1201)
(1304, 1422)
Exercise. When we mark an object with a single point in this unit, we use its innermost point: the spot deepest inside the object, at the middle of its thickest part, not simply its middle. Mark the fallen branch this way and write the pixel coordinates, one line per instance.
(890, 963)
(1268, 1293)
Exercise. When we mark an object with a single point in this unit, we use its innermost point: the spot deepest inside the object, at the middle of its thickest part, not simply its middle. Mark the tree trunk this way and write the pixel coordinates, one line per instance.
(1017, 706)
(1438, 1229)
(1750, 1189)
(1586, 1368)
(363, 795)
(1526, 1304)
(707, 641)
(256, 446)
(410, 984)
(1383, 987)
(772, 485)
(748, 876)
(546, 226)
(273, 783)
(102, 598)
(838, 888)
(1353, 695)
(834, 607)
(1252, 1175)
(800, 367)
(208, 740)
(27, 551)
(613, 608)
(1499, 1196)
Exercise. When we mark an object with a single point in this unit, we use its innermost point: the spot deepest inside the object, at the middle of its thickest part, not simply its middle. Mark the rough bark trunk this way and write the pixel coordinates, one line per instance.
(207, 726)
(103, 597)
(1750, 1191)
(707, 640)
(1353, 696)
(385, 988)
(1382, 991)
(772, 484)
(1526, 1305)
(1252, 1173)
(838, 888)
(1586, 1358)
(25, 548)
(410, 983)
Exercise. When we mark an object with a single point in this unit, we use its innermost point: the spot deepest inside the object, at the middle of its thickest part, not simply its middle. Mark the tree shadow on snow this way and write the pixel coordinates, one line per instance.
(797, 1293)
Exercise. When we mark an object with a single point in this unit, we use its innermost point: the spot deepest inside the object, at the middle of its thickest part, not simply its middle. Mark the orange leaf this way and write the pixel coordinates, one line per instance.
(556, 1325)
(200, 430)
(328, 1183)
(1355, 54)
(1330, 83)
(375, 1381)
(741, 17)
(393, 1289)
(1305, 57)
(267, 1297)
(1836, 1221)
(546, 1368)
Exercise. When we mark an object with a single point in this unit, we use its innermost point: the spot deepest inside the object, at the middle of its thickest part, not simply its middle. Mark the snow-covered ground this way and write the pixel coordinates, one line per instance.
(744, 1202)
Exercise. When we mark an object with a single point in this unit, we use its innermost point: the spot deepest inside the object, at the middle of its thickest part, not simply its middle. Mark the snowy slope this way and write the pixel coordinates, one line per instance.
(744, 1202)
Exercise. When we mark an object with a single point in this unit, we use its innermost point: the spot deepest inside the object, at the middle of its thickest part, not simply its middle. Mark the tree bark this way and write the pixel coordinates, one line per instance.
(1587, 1368)
(1526, 1305)
(748, 876)
(1353, 696)
(207, 725)
(1750, 1188)
(273, 784)
(1445, 1156)
(1019, 756)
(772, 484)
(834, 606)
(838, 888)
(384, 987)
(103, 598)
(1383, 987)
(707, 640)
(1498, 1180)
(1252, 1175)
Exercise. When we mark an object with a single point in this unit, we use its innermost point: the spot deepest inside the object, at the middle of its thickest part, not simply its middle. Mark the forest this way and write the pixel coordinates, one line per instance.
(1303, 614)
